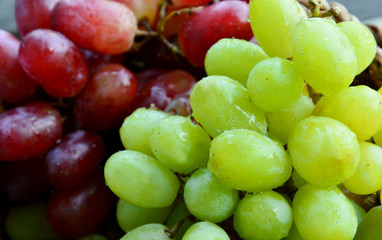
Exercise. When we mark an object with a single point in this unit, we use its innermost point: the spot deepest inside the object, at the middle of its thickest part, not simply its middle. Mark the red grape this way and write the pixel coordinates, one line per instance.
(190, 3)
(180, 106)
(143, 9)
(147, 76)
(96, 61)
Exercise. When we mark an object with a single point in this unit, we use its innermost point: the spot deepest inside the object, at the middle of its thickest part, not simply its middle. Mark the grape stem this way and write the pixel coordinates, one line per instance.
(315, 7)
(174, 229)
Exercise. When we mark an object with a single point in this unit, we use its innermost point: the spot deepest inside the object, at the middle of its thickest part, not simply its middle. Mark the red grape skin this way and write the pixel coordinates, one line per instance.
(28, 131)
(33, 14)
(105, 27)
(15, 85)
(190, 3)
(79, 211)
(147, 76)
(105, 101)
(54, 62)
(96, 61)
(71, 161)
(180, 106)
(224, 19)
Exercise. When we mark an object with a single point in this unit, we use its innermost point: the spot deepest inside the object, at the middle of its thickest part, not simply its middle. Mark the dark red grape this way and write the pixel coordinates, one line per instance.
(147, 76)
(190, 3)
(96, 61)
(28, 131)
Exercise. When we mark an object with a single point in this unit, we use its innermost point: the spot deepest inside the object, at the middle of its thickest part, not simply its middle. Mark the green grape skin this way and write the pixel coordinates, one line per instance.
(263, 216)
(180, 145)
(358, 107)
(298, 181)
(220, 103)
(273, 24)
(152, 231)
(323, 55)
(324, 151)
(130, 217)
(205, 231)
(207, 199)
(370, 227)
(93, 237)
(233, 58)
(293, 234)
(29, 222)
(378, 138)
(246, 160)
(323, 213)
(367, 178)
(360, 212)
(140, 179)
(363, 41)
(136, 129)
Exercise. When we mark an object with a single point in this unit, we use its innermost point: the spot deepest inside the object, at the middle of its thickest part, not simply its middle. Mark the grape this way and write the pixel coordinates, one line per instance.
(143, 10)
(246, 160)
(207, 199)
(233, 58)
(274, 84)
(323, 213)
(96, 61)
(378, 138)
(363, 42)
(140, 180)
(323, 151)
(178, 214)
(152, 231)
(273, 24)
(205, 231)
(179, 144)
(189, 3)
(298, 181)
(263, 216)
(293, 234)
(324, 55)
(367, 178)
(220, 103)
(360, 212)
(179, 106)
(370, 227)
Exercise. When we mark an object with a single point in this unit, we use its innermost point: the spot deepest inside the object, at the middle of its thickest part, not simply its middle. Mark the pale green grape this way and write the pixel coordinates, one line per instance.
(179, 144)
(93, 237)
(220, 103)
(323, 213)
(205, 231)
(137, 127)
(378, 138)
(370, 227)
(140, 179)
(323, 151)
(293, 234)
(152, 231)
(360, 212)
(367, 179)
(130, 217)
(358, 107)
(363, 41)
(324, 55)
(273, 23)
(246, 160)
(207, 199)
(233, 58)
(298, 181)
(263, 216)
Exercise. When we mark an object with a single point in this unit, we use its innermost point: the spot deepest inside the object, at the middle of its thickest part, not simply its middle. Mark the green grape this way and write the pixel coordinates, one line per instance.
(220, 103)
(324, 55)
(370, 227)
(274, 84)
(29, 222)
(360, 212)
(152, 231)
(378, 138)
(140, 179)
(358, 107)
(293, 234)
(246, 160)
(367, 179)
(93, 237)
(273, 23)
(207, 199)
(298, 181)
(137, 127)
(233, 58)
(363, 41)
(179, 144)
(130, 217)
(323, 213)
(205, 231)
(180, 212)
(323, 151)
(281, 123)
(263, 216)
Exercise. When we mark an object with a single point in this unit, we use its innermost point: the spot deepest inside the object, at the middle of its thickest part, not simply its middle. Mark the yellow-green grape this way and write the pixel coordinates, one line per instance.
(324, 213)
(220, 103)
(180, 145)
(298, 181)
(130, 217)
(273, 23)
(281, 123)
(205, 231)
(323, 151)
(360, 212)
(207, 199)
(378, 138)
(367, 179)
(274, 84)
(293, 234)
(136, 129)
(370, 227)
(246, 160)
(233, 58)
(363, 41)
(140, 179)
(263, 216)
(324, 55)
(152, 231)
(358, 107)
